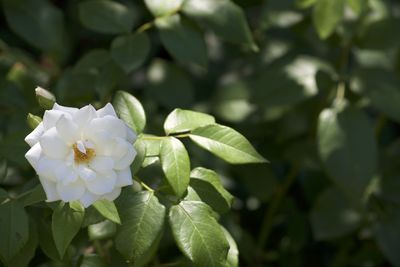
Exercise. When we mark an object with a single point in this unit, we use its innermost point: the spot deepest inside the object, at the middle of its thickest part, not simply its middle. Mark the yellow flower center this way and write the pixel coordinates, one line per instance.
(81, 157)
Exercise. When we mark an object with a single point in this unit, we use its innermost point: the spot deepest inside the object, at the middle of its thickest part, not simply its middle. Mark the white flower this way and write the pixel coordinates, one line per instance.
(82, 154)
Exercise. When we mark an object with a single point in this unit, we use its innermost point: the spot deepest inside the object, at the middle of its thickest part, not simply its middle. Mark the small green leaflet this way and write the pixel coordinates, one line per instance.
(130, 110)
(175, 163)
(226, 143)
(108, 210)
(181, 120)
(198, 234)
(66, 223)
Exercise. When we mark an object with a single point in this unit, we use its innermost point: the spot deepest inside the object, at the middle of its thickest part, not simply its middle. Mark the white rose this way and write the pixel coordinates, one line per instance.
(82, 154)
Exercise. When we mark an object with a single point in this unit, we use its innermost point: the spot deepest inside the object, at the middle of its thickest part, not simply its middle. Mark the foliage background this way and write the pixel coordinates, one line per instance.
(314, 85)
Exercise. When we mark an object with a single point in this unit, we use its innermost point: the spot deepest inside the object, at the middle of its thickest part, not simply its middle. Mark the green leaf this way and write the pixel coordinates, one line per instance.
(233, 253)
(26, 254)
(66, 223)
(277, 89)
(92, 60)
(226, 143)
(166, 82)
(333, 216)
(3, 195)
(143, 221)
(180, 120)
(381, 87)
(223, 17)
(182, 40)
(164, 7)
(108, 210)
(140, 147)
(347, 148)
(39, 17)
(106, 16)
(198, 234)
(103, 230)
(14, 229)
(92, 260)
(357, 5)
(33, 196)
(130, 110)
(130, 51)
(387, 235)
(92, 216)
(175, 163)
(207, 184)
(326, 16)
(305, 3)
(46, 241)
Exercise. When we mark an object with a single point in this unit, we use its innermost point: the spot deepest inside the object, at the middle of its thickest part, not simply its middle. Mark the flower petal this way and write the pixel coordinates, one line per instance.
(84, 115)
(65, 175)
(33, 155)
(51, 117)
(50, 189)
(53, 145)
(46, 167)
(68, 130)
(71, 191)
(130, 135)
(113, 194)
(124, 178)
(86, 173)
(88, 199)
(35, 135)
(127, 159)
(103, 184)
(108, 109)
(64, 109)
(112, 125)
(102, 164)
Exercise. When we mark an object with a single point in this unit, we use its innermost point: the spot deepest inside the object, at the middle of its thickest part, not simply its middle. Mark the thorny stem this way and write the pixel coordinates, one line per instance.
(268, 221)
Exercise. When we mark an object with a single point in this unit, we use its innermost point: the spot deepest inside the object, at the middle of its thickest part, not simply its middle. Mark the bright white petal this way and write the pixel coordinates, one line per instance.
(88, 199)
(50, 189)
(71, 191)
(124, 178)
(102, 164)
(35, 135)
(65, 175)
(84, 115)
(112, 125)
(46, 167)
(53, 145)
(126, 160)
(108, 109)
(86, 173)
(64, 109)
(113, 194)
(130, 135)
(51, 117)
(67, 129)
(33, 155)
(103, 183)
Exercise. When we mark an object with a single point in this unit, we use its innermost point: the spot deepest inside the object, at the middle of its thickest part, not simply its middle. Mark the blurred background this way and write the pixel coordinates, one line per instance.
(313, 84)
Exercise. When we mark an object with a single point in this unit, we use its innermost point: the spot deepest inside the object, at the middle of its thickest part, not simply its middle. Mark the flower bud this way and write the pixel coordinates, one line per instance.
(33, 120)
(45, 99)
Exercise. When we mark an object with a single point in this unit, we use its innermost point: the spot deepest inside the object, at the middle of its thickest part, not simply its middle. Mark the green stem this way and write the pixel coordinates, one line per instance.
(268, 221)
(151, 137)
(143, 184)
(145, 27)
